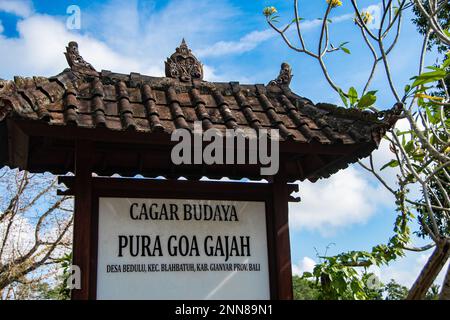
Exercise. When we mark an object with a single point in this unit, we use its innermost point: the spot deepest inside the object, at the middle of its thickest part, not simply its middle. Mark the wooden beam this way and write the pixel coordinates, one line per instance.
(180, 188)
(4, 145)
(83, 216)
(40, 129)
(280, 198)
(326, 165)
(301, 148)
(18, 146)
(33, 128)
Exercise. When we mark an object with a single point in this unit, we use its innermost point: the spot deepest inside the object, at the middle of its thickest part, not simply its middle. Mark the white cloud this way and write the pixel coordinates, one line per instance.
(304, 265)
(253, 39)
(21, 8)
(344, 17)
(126, 38)
(151, 35)
(40, 46)
(344, 199)
(246, 43)
(308, 25)
(210, 74)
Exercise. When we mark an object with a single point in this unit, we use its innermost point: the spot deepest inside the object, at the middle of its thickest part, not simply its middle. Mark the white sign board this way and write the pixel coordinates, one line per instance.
(182, 249)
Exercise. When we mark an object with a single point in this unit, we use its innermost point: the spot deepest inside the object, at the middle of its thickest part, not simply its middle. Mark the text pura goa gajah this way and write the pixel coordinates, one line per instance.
(179, 245)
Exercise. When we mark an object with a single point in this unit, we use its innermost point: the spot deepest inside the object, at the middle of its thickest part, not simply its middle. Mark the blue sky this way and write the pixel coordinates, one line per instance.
(233, 41)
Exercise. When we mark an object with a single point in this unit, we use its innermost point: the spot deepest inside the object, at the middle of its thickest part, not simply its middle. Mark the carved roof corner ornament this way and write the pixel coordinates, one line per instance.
(183, 65)
(76, 62)
(285, 76)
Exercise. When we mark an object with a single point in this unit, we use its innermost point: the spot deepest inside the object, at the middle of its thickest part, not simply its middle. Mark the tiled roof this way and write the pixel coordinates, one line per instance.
(82, 97)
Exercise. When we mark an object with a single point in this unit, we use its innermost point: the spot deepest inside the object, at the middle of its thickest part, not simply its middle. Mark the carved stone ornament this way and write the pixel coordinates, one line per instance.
(76, 62)
(285, 76)
(183, 65)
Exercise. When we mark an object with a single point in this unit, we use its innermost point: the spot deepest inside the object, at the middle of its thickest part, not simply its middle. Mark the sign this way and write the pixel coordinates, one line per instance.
(182, 249)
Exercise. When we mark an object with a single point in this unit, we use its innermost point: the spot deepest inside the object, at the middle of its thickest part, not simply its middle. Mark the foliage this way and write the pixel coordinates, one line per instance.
(351, 99)
(423, 25)
(421, 154)
(338, 275)
(50, 289)
(32, 291)
(305, 289)
(433, 293)
(35, 231)
(442, 220)
(61, 290)
(395, 291)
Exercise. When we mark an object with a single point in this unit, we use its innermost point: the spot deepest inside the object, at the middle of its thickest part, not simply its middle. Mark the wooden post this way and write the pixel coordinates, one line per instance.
(82, 216)
(280, 203)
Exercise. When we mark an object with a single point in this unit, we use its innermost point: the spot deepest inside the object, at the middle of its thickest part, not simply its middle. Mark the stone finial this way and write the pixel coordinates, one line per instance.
(76, 62)
(183, 65)
(285, 76)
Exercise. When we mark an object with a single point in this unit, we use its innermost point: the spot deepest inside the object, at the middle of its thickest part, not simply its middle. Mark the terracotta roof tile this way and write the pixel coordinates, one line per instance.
(183, 103)
(82, 97)
(161, 99)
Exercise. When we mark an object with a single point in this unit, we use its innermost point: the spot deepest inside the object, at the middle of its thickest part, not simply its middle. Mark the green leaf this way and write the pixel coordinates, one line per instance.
(409, 147)
(299, 19)
(274, 18)
(353, 95)
(418, 157)
(366, 101)
(446, 63)
(347, 51)
(343, 97)
(392, 164)
(344, 48)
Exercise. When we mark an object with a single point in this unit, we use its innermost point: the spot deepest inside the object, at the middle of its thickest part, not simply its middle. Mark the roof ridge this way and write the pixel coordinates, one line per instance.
(358, 114)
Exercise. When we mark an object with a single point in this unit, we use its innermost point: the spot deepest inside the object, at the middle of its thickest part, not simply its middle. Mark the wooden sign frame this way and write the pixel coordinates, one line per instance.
(87, 191)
